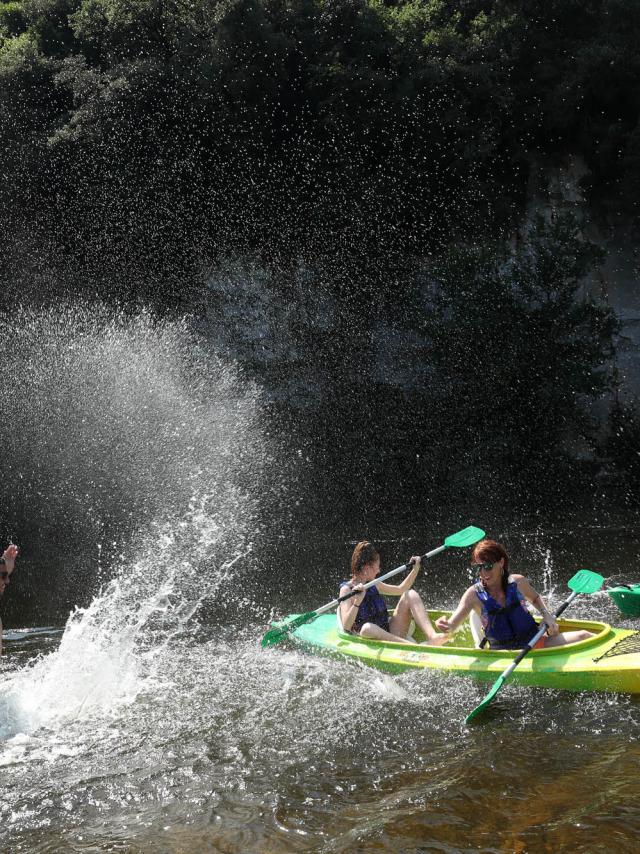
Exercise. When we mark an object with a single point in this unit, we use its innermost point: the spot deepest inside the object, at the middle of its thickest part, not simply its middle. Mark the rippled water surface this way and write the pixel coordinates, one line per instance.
(218, 745)
(152, 721)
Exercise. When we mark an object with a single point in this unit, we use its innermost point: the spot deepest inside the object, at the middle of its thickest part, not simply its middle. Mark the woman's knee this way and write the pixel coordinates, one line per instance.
(369, 630)
(411, 597)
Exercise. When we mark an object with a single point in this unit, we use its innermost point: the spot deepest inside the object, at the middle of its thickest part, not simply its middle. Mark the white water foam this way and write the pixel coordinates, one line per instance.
(174, 425)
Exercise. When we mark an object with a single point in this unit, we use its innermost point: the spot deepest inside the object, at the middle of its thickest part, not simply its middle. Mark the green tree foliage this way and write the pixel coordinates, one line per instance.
(12, 20)
(318, 126)
(315, 125)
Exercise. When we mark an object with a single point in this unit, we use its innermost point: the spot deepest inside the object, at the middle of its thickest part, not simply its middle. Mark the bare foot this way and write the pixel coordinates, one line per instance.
(437, 640)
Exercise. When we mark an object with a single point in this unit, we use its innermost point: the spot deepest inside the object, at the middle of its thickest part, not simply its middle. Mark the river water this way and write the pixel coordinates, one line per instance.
(150, 720)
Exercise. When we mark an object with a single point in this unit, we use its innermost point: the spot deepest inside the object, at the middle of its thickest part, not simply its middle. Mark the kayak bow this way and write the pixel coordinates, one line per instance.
(627, 598)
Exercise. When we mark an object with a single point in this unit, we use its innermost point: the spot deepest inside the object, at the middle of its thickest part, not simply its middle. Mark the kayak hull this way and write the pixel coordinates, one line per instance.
(609, 661)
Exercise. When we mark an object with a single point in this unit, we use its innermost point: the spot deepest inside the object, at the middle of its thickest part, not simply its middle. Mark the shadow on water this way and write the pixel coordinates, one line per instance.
(155, 723)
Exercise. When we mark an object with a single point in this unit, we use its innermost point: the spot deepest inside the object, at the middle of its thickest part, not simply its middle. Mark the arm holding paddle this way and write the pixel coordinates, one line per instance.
(398, 589)
(462, 539)
(349, 609)
(371, 618)
(531, 595)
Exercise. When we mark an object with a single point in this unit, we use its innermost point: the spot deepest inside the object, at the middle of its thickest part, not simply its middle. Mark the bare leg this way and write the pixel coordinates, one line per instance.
(411, 605)
(567, 637)
(370, 630)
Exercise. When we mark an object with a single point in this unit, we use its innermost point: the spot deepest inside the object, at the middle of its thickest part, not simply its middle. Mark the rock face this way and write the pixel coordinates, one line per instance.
(558, 187)
(280, 326)
(620, 278)
(272, 324)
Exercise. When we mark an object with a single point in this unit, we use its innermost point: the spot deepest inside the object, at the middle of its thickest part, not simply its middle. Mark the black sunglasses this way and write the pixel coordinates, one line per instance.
(477, 567)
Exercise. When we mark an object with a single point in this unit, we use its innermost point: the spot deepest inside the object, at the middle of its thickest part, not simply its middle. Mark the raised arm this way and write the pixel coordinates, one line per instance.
(8, 564)
(407, 584)
(9, 557)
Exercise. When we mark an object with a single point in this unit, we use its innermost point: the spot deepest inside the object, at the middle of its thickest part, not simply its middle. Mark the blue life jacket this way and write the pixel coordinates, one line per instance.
(373, 609)
(508, 626)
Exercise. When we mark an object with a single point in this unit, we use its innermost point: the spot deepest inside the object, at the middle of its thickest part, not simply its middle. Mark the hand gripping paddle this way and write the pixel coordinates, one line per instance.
(460, 540)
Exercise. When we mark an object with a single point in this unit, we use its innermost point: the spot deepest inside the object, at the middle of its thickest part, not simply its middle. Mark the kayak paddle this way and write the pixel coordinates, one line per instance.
(584, 581)
(466, 537)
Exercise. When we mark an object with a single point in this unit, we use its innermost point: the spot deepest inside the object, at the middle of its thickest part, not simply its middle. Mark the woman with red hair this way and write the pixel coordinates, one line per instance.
(500, 600)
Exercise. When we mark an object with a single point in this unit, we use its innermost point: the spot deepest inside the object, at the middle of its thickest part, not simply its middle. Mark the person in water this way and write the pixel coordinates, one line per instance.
(500, 600)
(366, 613)
(7, 565)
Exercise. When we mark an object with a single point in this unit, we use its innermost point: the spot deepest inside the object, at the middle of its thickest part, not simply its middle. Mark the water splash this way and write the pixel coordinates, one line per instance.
(547, 572)
(143, 728)
(111, 422)
(135, 439)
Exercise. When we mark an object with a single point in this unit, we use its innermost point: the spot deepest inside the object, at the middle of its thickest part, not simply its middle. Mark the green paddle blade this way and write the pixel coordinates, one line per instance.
(497, 685)
(275, 635)
(585, 581)
(466, 537)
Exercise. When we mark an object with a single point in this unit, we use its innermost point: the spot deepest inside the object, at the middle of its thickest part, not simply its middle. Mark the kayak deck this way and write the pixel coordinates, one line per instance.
(609, 661)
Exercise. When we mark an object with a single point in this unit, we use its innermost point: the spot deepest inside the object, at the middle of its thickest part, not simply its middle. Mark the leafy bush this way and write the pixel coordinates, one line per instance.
(12, 19)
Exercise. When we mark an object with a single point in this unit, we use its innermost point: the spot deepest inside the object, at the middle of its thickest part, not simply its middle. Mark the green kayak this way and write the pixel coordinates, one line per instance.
(627, 598)
(609, 661)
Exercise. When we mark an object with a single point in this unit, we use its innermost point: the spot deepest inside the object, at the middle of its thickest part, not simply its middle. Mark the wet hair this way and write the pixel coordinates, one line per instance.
(489, 550)
(364, 553)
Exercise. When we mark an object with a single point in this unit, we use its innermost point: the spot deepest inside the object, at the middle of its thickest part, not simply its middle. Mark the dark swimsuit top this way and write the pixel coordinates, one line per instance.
(373, 609)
